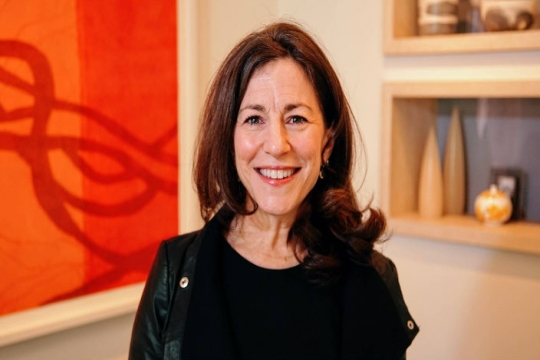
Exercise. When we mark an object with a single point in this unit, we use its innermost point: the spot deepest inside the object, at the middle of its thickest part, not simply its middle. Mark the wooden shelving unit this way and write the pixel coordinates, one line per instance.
(409, 110)
(400, 35)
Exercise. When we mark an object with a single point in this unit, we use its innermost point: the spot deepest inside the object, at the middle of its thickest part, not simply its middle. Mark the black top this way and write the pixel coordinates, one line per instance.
(278, 314)
(184, 312)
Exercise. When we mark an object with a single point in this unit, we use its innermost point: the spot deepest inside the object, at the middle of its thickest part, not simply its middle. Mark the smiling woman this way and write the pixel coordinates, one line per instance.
(279, 140)
(284, 267)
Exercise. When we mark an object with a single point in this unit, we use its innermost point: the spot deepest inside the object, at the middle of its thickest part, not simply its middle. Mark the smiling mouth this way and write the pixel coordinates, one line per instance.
(276, 174)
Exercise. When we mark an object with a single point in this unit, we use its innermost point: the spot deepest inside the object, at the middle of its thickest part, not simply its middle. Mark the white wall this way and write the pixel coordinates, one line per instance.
(471, 303)
(106, 340)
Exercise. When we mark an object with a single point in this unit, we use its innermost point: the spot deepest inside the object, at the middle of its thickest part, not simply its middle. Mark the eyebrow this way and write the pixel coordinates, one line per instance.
(288, 107)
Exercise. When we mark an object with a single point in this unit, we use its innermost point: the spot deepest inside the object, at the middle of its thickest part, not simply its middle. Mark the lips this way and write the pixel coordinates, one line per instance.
(276, 174)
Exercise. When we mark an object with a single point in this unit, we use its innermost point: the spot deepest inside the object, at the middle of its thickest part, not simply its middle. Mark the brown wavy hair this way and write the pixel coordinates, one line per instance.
(330, 223)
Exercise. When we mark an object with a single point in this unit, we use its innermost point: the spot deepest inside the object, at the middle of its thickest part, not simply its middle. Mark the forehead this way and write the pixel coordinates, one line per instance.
(281, 78)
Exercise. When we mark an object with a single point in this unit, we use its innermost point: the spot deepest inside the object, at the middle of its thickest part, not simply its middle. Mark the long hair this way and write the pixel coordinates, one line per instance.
(330, 223)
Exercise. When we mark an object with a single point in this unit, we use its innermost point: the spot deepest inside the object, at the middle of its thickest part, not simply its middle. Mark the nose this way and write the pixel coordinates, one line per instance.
(277, 139)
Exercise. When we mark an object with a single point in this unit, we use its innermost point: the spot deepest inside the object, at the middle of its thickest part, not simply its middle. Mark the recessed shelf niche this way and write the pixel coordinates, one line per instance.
(400, 35)
(506, 133)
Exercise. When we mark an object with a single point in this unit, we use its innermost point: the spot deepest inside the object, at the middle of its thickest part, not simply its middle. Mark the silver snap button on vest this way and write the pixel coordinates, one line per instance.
(184, 282)
(410, 324)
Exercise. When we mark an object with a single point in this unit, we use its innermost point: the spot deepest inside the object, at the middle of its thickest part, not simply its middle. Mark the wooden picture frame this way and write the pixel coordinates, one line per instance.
(511, 181)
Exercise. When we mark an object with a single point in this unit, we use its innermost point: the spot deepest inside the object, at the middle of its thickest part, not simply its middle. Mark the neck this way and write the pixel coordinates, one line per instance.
(264, 241)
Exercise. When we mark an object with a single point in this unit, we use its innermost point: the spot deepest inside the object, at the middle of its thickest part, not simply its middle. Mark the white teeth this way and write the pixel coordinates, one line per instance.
(276, 174)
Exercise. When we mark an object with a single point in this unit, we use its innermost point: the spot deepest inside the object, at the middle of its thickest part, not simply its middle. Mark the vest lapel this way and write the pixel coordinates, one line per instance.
(208, 324)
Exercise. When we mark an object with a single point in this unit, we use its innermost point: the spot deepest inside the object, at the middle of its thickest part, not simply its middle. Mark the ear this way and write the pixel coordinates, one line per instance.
(328, 146)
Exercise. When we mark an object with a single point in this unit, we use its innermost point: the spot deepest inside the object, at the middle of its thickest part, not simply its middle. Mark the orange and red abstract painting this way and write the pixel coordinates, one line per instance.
(88, 145)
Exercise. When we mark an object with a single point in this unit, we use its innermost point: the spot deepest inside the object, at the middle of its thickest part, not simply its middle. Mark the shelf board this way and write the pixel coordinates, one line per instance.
(463, 43)
(459, 89)
(521, 237)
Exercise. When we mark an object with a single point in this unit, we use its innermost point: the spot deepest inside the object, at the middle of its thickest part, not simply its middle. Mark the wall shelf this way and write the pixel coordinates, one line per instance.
(400, 36)
(409, 110)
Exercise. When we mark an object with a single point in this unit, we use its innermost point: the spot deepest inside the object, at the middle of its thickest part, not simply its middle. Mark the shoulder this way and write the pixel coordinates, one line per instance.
(384, 267)
(383, 275)
(152, 314)
(373, 300)
(380, 266)
(382, 270)
(180, 243)
(387, 271)
(173, 251)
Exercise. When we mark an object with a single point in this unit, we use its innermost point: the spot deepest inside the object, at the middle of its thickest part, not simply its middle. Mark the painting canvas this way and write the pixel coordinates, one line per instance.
(88, 145)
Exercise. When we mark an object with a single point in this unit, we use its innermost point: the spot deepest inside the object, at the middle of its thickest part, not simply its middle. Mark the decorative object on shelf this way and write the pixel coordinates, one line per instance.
(504, 15)
(430, 188)
(437, 17)
(512, 182)
(469, 19)
(464, 24)
(454, 168)
(492, 206)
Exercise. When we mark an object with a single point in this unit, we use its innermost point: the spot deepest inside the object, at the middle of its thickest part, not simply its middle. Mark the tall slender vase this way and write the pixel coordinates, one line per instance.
(454, 168)
(430, 192)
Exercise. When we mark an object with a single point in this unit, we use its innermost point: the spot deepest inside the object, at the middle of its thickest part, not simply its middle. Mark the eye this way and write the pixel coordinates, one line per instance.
(253, 120)
(297, 120)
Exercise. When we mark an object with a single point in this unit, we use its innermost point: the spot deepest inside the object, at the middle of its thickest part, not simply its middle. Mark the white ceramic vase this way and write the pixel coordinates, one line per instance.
(430, 191)
(454, 180)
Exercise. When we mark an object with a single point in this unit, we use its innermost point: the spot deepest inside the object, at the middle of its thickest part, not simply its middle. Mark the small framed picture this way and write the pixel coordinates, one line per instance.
(511, 181)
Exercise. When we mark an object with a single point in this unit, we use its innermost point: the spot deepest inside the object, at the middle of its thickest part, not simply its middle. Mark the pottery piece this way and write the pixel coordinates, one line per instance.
(436, 17)
(430, 191)
(454, 168)
(504, 15)
(469, 19)
(493, 207)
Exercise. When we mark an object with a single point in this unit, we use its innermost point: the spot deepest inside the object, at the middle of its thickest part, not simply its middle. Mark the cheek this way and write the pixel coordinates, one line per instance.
(243, 148)
(311, 150)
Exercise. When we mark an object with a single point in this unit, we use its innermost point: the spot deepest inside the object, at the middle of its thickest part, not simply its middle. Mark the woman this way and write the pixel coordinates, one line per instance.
(285, 266)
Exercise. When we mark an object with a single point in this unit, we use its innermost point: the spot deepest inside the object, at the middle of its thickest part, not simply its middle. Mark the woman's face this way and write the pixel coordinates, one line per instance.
(279, 138)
